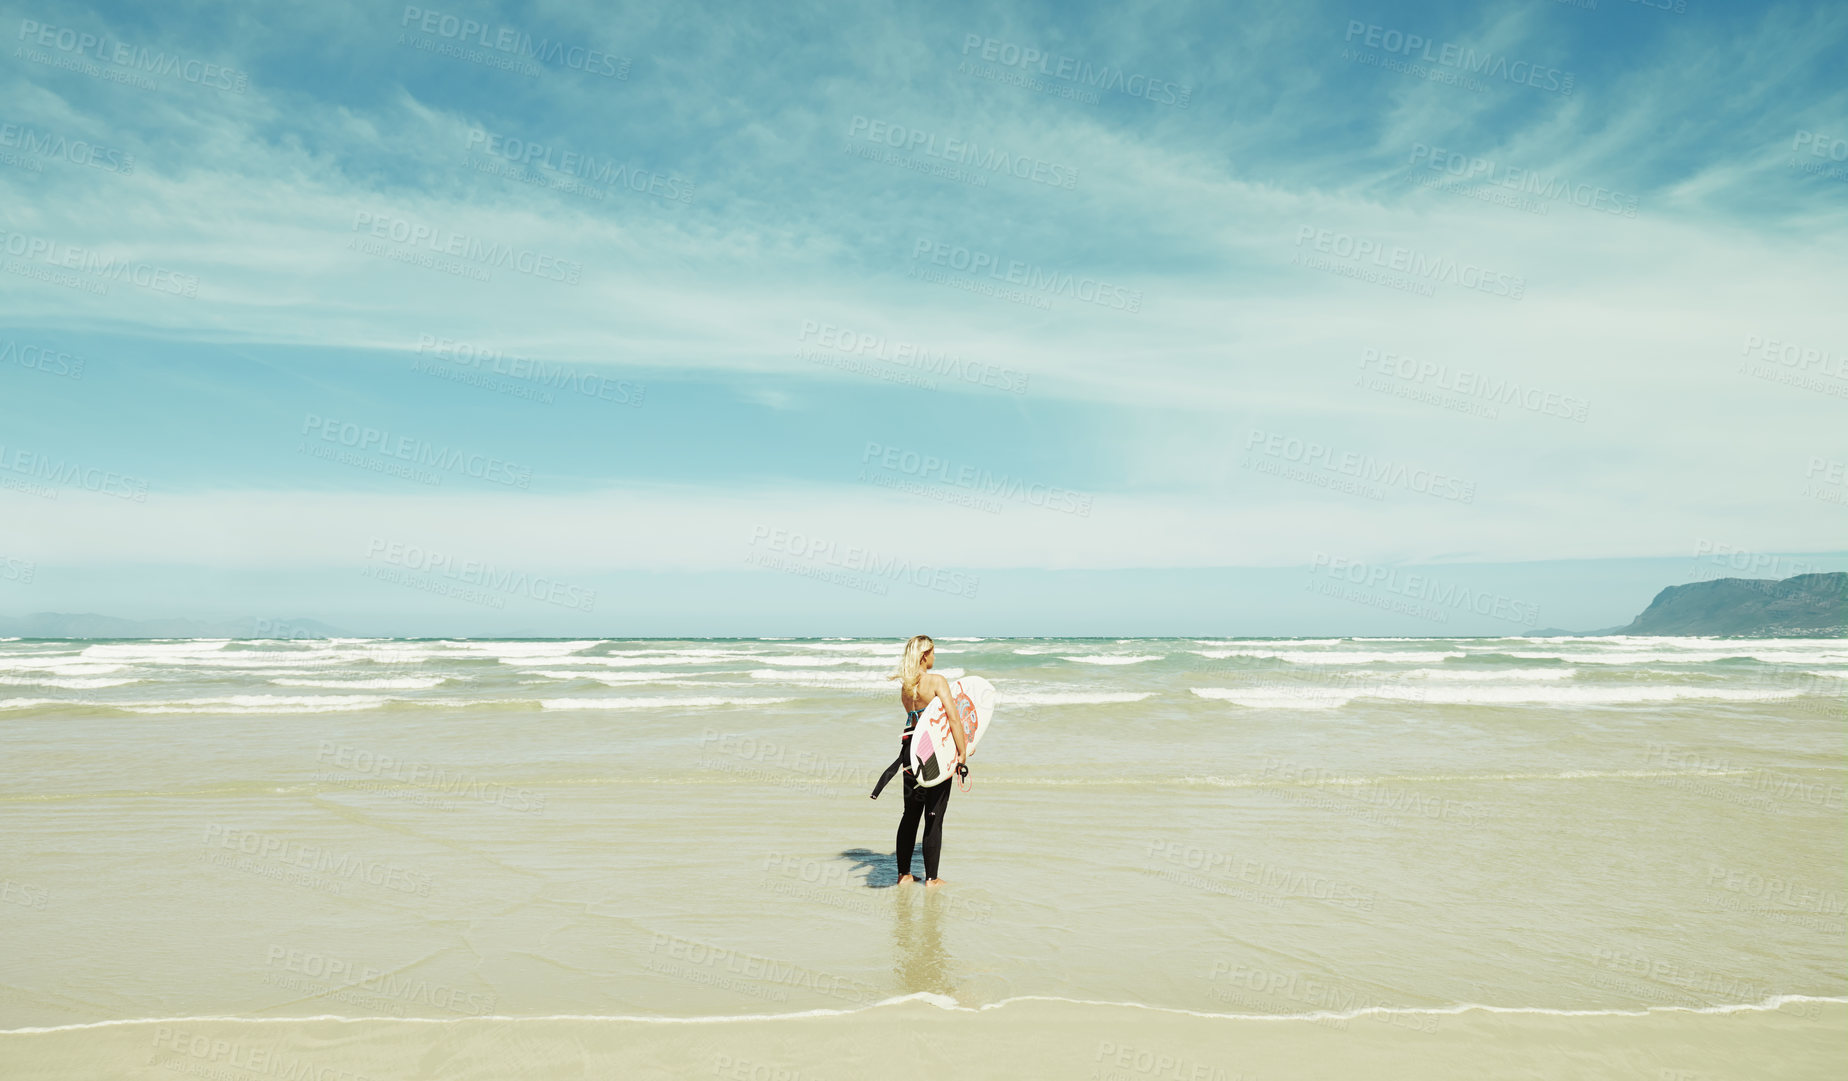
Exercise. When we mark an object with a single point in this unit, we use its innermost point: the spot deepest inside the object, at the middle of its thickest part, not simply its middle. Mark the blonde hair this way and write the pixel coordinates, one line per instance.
(911, 666)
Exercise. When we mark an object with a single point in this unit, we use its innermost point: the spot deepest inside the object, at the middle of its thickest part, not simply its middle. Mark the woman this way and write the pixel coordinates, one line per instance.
(917, 685)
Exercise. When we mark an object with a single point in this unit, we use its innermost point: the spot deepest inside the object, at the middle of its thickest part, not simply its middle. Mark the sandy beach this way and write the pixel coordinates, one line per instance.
(1179, 859)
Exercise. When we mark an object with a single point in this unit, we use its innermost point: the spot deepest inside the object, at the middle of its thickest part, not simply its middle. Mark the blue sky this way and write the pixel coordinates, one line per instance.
(839, 318)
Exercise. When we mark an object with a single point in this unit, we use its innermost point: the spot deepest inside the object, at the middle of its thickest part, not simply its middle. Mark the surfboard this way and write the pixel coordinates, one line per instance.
(933, 747)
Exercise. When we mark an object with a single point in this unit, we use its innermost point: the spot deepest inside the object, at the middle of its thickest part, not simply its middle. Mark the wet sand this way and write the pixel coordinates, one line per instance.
(919, 1039)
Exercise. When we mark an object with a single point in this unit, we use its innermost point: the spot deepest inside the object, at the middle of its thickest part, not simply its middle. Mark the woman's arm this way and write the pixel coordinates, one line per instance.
(940, 687)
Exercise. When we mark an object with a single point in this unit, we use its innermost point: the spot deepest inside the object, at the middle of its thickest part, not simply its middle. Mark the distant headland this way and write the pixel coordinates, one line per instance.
(1805, 606)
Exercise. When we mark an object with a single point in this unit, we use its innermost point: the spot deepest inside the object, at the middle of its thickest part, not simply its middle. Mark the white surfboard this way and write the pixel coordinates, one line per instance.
(933, 748)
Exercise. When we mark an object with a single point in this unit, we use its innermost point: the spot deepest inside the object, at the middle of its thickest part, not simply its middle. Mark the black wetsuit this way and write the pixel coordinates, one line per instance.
(928, 804)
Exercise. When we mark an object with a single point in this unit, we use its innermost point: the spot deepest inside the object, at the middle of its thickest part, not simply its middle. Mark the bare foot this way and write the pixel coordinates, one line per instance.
(933, 883)
(906, 880)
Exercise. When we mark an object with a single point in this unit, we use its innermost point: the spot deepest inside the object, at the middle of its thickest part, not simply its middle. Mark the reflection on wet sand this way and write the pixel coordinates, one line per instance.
(918, 957)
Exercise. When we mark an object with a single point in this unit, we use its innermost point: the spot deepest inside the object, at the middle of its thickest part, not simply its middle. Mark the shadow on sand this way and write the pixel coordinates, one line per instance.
(881, 868)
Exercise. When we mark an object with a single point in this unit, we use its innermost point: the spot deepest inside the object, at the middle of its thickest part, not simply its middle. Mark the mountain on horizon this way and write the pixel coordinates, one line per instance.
(1803, 605)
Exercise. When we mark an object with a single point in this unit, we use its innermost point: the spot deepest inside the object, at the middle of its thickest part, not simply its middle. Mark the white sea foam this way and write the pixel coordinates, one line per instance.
(216, 658)
(1685, 657)
(824, 662)
(618, 661)
(812, 678)
(655, 703)
(1273, 698)
(59, 666)
(1112, 658)
(1303, 656)
(613, 679)
(740, 650)
(1638, 641)
(1069, 698)
(244, 662)
(522, 649)
(382, 657)
(1262, 642)
(64, 684)
(1311, 697)
(1770, 1004)
(118, 650)
(883, 649)
(819, 679)
(1468, 675)
(252, 703)
(398, 683)
(260, 704)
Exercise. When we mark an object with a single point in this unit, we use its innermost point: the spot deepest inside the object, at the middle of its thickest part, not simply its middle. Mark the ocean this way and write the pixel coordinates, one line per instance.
(1178, 858)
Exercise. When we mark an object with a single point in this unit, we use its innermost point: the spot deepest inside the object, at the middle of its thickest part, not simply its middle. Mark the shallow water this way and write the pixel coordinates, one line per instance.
(1356, 837)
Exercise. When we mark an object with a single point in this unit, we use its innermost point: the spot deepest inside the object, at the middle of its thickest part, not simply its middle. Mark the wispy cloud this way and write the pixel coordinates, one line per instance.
(1170, 272)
